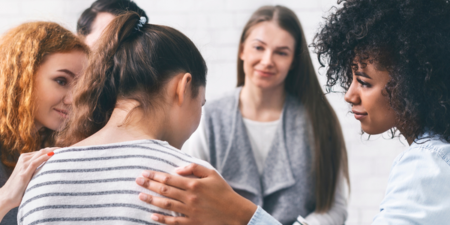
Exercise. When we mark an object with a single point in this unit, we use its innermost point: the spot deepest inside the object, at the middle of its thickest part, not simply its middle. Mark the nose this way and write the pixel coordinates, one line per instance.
(67, 100)
(266, 59)
(352, 94)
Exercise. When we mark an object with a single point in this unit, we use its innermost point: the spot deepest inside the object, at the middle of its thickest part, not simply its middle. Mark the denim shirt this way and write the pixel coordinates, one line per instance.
(418, 190)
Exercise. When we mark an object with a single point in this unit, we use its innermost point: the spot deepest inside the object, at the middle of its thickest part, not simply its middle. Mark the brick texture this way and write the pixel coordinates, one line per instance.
(215, 27)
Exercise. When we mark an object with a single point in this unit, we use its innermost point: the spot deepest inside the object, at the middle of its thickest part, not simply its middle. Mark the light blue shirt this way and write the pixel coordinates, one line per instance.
(418, 190)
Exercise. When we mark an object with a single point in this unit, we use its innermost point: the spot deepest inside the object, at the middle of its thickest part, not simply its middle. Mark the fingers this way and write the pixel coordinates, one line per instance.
(38, 159)
(162, 189)
(194, 169)
(163, 203)
(41, 152)
(168, 179)
(170, 220)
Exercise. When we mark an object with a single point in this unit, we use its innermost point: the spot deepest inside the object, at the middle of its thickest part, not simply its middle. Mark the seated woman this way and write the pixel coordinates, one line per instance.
(38, 64)
(391, 58)
(138, 101)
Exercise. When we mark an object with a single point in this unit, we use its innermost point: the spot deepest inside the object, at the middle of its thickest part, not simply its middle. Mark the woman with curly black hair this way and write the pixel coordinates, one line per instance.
(391, 59)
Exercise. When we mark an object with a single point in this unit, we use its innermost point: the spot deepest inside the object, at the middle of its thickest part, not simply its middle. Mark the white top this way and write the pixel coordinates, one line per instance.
(96, 184)
(261, 135)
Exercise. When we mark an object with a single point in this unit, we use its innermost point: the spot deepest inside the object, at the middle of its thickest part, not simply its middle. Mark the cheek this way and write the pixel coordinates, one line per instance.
(250, 59)
(284, 66)
(382, 116)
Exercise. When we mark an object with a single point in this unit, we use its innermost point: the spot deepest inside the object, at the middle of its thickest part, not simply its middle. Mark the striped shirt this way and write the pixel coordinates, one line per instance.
(96, 184)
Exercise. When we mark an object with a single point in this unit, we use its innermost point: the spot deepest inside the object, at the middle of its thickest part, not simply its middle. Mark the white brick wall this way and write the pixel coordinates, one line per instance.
(215, 27)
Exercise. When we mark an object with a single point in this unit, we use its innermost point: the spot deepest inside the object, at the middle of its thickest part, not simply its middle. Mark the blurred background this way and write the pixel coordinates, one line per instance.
(215, 27)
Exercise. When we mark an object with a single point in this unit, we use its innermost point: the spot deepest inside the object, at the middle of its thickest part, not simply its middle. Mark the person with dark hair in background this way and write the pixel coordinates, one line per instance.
(392, 59)
(94, 19)
(141, 94)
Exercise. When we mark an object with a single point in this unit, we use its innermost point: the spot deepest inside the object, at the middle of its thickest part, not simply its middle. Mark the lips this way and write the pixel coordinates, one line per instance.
(62, 112)
(265, 73)
(359, 115)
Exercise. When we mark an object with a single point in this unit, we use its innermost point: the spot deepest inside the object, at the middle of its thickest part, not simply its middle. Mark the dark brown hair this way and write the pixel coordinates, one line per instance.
(134, 63)
(330, 155)
(115, 7)
(22, 50)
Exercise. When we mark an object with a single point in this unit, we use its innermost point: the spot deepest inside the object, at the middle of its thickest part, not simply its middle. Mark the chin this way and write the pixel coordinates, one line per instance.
(265, 84)
(373, 130)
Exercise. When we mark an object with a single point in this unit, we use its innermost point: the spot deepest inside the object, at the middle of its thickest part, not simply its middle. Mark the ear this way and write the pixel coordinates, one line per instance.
(241, 51)
(182, 87)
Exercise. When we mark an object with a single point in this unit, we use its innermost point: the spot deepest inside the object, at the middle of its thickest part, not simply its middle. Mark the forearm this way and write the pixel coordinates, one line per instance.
(244, 212)
(4, 206)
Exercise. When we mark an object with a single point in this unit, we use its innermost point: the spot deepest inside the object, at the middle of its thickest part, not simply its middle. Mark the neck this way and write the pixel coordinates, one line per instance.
(410, 140)
(261, 104)
(128, 123)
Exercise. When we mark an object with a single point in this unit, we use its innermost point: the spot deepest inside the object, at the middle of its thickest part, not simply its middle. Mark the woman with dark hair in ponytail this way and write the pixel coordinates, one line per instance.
(138, 101)
(276, 139)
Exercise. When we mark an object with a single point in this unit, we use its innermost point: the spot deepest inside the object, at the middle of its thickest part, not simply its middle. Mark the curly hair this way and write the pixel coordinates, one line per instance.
(22, 50)
(408, 38)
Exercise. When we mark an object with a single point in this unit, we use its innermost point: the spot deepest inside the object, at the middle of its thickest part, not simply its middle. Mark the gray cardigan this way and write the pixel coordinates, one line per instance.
(286, 187)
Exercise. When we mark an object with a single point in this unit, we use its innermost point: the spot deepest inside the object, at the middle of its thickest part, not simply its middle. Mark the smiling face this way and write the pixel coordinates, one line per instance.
(369, 100)
(267, 55)
(54, 80)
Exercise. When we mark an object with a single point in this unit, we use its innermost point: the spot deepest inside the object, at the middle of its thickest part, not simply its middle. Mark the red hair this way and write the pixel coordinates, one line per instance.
(22, 50)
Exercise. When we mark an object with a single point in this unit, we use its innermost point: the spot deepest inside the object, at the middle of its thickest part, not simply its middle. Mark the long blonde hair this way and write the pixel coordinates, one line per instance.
(22, 51)
(330, 154)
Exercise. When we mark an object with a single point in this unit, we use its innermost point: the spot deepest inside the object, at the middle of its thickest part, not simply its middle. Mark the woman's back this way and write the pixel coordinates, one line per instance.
(96, 184)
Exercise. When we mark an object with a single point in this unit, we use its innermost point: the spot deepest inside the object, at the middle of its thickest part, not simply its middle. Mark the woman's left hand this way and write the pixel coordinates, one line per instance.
(12, 192)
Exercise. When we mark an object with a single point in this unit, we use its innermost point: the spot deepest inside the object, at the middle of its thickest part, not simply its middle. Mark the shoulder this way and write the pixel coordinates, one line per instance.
(166, 147)
(428, 149)
(226, 102)
(418, 185)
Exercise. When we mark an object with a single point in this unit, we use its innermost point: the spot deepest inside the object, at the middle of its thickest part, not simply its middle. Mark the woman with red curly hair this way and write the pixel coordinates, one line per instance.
(39, 62)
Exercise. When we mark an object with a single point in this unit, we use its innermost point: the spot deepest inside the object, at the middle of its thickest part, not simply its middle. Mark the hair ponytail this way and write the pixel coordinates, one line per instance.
(130, 63)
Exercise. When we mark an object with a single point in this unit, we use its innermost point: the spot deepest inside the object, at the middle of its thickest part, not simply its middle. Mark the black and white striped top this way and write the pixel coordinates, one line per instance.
(96, 184)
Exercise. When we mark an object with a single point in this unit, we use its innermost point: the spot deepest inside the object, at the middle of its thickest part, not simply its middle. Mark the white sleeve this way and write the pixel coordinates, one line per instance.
(196, 145)
(338, 211)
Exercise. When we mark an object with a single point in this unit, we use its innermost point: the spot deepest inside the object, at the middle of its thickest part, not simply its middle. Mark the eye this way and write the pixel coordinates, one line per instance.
(259, 48)
(282, 53)
(61, 81)
(363, 84)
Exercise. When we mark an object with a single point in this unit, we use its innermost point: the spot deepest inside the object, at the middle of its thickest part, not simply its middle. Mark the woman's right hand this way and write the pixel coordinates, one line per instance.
(12, 192)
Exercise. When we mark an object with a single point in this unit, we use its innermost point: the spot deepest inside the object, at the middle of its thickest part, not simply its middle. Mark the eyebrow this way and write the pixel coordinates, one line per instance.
(70, 73)
(362, 74)
(278, 48)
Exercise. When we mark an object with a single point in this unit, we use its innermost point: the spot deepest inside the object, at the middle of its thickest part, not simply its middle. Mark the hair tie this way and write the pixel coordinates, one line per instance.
(140, 23)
